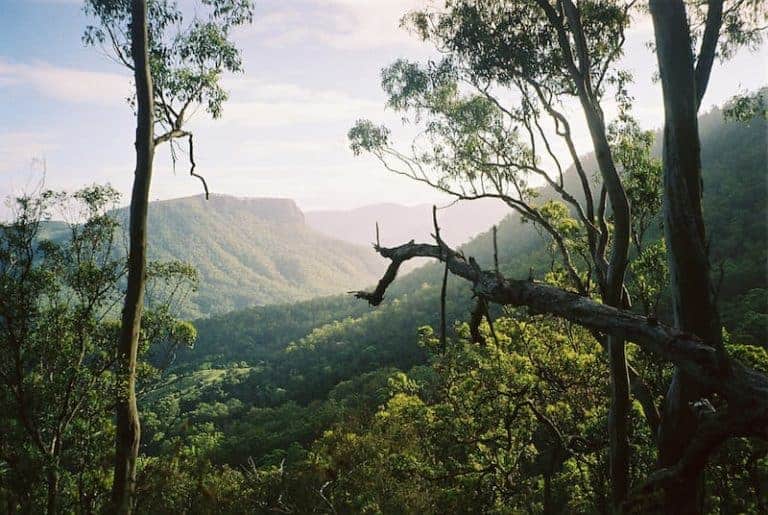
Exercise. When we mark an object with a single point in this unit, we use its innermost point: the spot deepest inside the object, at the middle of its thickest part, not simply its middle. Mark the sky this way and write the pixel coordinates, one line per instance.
(312, 67)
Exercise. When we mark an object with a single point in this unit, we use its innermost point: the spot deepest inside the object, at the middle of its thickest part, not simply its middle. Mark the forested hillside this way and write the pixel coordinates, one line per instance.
(270, 380)
(249, 251)
(254, 251)
(579, 326)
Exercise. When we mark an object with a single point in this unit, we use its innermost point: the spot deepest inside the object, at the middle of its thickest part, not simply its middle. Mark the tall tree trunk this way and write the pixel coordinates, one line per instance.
(618, 421)
(53, 491)
(694, 306)
(128, 428)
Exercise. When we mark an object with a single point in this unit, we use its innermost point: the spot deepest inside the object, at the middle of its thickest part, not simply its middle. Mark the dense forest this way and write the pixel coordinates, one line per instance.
(276, 382)
(603, 348)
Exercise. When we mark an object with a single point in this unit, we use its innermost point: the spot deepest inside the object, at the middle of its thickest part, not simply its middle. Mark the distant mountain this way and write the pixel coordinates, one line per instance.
(398, 223)
(302, 355)
(254, 251)
(735, 208)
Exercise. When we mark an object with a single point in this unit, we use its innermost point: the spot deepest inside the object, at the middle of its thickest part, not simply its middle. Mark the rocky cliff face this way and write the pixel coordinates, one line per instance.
(276, 210)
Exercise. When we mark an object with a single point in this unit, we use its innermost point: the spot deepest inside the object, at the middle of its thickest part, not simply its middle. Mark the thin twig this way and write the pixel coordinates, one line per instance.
(495, 251)
(443, 329)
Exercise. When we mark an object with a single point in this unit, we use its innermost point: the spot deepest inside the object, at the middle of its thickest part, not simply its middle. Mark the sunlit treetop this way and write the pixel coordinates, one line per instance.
(521, 40)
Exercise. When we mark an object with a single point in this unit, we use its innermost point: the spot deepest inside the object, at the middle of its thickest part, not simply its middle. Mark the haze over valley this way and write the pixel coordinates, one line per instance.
(384, 257)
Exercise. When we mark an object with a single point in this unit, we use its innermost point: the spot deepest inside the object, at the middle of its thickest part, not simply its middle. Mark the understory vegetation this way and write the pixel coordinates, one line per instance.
(603, 349)
(329, 406)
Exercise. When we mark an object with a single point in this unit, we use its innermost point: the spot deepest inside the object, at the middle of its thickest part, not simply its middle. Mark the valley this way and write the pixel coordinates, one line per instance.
(336, 257)
(310, 358)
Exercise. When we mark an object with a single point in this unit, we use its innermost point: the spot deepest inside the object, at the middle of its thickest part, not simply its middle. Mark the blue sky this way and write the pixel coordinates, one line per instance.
(311, 69)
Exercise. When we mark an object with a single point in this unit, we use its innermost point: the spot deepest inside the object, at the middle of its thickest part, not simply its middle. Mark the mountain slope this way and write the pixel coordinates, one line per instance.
(301, 355)
(254, 251)
(737, 223)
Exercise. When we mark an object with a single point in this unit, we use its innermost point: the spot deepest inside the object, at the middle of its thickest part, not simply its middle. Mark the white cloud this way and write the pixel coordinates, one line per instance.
(18, 150)
(340, 24)
(290, 113)
(259, 104)
(66, 84)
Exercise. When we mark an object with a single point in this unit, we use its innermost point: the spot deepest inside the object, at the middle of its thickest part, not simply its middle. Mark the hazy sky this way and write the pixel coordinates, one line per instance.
(312, 69)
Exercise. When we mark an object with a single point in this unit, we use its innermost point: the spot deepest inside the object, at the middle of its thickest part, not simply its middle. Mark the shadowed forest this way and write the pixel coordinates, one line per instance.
(581, 326)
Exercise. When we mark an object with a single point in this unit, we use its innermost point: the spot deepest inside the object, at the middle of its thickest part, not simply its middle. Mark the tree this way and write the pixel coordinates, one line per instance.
(512, 422)
(484, 149)
(60, 285)
(175, 67)
(684, 85)
(547, 56)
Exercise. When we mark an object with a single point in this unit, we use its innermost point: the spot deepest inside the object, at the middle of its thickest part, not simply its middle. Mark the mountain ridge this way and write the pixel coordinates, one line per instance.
(280, 209)
(459, 221)
(253, 251)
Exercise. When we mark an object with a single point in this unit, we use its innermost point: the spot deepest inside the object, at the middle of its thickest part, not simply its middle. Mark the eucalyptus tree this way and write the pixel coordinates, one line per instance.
(684, 80)
(177, 62)
(492, 114)
(60, 288)
(478, 145)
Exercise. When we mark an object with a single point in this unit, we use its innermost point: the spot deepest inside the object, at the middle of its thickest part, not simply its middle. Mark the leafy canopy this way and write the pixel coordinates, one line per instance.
(189, 51)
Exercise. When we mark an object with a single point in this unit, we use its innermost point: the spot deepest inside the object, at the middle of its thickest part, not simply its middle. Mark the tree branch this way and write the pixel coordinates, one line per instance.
(193, 165)
(738, 384)
(178, 133)
(711, 433)
(708, 48)
(172, 134)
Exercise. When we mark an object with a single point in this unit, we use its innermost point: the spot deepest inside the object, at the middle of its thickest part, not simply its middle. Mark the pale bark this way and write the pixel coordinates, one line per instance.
(128, 426)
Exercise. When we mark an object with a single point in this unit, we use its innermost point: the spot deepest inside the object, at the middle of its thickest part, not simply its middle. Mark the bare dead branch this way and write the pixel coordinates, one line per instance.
(443, 323)
(444, 288)
(739, 385)
(495, 250)
(476, 318)
(193, 165)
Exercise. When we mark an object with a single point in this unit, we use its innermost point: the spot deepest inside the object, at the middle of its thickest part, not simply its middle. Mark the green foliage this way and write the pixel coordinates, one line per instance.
(750, 355)
(474, 431)
(733, 155)
(245, 252)
(743, 25)
(325, 405)
(342, 408)
(747, 107)
(58, 345)
(649, 276)
(641, 173)
(747, 317)
(187, 56)
(506, 40)
(253, 252)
